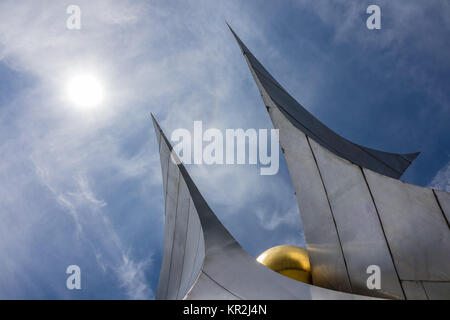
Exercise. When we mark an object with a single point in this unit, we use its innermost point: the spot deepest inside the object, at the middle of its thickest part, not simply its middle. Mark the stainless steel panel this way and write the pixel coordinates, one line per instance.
(206, 289)
(232, 268)
(322, 241)
(357, 221)
(165, 158)
(199, 258)
(171, 207)
(191, 253)
(414, 290)
(163, 155)
(444, 201)
(415, 227)
(437, 290)
(179, 240)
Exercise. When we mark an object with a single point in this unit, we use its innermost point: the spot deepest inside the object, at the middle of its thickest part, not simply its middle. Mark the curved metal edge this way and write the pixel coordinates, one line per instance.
(386, 163)
(227, 271)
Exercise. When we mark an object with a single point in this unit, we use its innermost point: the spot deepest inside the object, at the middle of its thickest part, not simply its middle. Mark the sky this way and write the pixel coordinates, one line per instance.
(83, 186)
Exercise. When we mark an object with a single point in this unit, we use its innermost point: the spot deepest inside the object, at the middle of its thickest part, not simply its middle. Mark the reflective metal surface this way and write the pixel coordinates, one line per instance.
(354, 214)
(361, 235)
(437, 290)
(203, 261)
(182, 233)
(328, 266)
(443, 199)
(415, 228)
(414, 290)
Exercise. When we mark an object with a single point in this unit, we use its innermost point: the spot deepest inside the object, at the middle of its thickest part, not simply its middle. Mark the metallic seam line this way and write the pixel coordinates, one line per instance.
(424, 290)
(384, 233)
(164, 191)
(185, 243)
(237, 296)
(312, 135)
(335, 151)
(167, 181)
(159, 142)
(192, 188)
(332, 215)
(440, 207)
(406, 159)
(192, 286)
(196, 251)
(432, 281)
(174, 229)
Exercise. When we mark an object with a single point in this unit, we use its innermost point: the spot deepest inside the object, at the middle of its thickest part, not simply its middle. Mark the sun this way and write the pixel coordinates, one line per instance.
(85, 91)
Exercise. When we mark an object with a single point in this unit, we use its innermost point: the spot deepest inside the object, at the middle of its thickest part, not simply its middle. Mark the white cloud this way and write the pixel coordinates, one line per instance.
(273, 220)
(441, 180)
(132, 278)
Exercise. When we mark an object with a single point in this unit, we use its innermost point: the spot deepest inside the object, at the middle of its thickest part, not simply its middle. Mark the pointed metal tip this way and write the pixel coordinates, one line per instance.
(232, 31)
(238, 40)
(155, 122)
(412, 156)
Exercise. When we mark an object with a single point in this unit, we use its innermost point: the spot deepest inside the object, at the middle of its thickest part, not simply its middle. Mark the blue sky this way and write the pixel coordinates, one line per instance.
(85, 187)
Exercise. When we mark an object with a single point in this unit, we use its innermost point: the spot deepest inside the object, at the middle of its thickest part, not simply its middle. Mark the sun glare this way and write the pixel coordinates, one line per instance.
(85, 91)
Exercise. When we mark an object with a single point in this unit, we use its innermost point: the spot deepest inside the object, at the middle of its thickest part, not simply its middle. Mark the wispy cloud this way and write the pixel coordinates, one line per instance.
(93, 225)
(132, 278)
(272, 220)
(441, 180)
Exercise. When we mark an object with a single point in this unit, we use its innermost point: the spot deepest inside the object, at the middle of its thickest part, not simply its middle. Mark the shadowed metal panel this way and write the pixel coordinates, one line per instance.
(389, 164)
(227, 271)
(437, 290)
(362, 238)
(415, 228)
(444, 202)
(414, 290)
(322, 241)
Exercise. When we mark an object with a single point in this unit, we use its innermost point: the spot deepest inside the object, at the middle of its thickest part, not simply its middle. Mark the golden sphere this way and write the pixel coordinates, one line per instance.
(290, 261)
